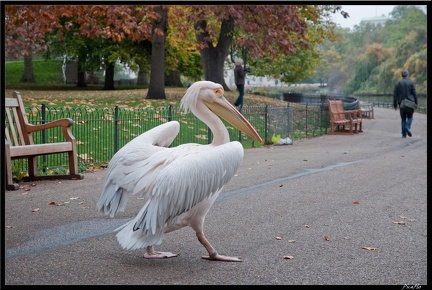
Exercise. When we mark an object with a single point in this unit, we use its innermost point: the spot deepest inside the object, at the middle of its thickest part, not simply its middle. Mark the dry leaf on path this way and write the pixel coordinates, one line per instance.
(369, 248)
(288, 257)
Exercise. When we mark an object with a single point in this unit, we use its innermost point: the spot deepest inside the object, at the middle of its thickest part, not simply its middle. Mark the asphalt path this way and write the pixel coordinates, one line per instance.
(330, 210)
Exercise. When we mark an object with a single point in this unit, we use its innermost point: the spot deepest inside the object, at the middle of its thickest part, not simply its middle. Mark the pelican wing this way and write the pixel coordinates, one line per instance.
(186, 176)
(134, 154)
(171, 182)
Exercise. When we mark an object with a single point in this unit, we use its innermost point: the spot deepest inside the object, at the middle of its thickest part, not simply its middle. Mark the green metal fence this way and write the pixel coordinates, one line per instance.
(102, 132)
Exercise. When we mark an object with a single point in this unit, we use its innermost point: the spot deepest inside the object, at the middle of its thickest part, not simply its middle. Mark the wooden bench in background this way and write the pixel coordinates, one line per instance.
(367, 110)
(343, 121)
(19, 143)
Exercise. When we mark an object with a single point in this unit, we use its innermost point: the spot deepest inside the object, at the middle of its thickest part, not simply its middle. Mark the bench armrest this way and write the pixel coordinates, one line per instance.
(66, 122)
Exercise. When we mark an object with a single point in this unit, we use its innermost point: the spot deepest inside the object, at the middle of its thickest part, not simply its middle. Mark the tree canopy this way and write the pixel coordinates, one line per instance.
(280, 40)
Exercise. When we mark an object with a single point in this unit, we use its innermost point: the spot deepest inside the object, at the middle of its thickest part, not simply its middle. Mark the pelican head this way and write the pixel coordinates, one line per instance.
(212, 96)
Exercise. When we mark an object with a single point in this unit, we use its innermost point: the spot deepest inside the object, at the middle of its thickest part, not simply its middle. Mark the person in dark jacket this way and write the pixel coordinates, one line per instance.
(404, 89)
(239, 79)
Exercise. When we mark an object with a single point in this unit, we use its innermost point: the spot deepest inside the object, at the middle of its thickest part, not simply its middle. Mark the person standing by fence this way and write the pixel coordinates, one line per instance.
(239, 78)
(405, 90)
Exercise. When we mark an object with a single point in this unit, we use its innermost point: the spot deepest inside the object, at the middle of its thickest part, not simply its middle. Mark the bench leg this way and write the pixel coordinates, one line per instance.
(10, 185)
(32, 166)
(73, 163)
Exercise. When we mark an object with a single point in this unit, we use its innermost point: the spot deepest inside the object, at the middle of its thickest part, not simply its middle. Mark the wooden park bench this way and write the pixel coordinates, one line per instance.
(19, 143)
(343, 121)
(367, 110)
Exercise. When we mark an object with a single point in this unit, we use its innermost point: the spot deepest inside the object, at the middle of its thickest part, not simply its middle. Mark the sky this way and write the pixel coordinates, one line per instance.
(358, 12)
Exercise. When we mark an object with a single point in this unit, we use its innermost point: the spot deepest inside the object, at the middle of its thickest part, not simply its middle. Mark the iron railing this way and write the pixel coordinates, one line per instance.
(100, 133)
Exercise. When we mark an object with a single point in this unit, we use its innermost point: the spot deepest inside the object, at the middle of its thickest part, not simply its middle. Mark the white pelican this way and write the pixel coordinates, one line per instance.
(179, 184)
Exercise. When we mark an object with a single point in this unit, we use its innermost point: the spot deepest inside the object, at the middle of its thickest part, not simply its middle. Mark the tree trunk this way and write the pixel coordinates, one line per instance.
(173, 79)
(28, 76)
(81, 75)
(81, 79)
(213, 57)
(142, 78)
(157, 70)
(109, 77)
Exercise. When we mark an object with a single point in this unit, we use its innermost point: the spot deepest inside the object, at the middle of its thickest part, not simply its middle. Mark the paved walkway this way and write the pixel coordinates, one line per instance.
(348, 209)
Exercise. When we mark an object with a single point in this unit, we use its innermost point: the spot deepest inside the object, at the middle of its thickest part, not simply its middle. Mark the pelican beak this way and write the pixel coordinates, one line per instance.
(224, 109)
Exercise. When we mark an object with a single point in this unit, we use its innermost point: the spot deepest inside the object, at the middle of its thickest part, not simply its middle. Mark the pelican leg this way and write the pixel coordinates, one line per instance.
(213, 255)
(152, 254)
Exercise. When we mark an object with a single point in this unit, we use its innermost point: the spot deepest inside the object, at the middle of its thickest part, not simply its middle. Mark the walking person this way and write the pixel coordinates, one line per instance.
(239, 79)
(405, 90)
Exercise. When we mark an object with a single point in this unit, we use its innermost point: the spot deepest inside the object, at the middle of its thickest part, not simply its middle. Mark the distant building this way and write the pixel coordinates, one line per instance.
(377, 20)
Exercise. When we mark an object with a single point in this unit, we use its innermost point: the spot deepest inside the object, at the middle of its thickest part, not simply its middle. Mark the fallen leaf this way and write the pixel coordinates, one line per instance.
(412, 220)
(35, 210)
(291, 241)
(53, 203)
(306, 226)
(278, 238)
(9, 227)
(356, 202)
(326, 238)
(281, 185)
(399, 223)
(369, 248)
(402, 217)
(288, 257)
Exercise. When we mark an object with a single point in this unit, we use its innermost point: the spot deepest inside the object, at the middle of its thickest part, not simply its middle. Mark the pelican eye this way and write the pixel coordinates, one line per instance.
(219, 92)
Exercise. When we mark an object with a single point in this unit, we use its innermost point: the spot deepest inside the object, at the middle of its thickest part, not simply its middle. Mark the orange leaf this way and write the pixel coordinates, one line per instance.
(53, 203)
(326, 238)
(356, 202)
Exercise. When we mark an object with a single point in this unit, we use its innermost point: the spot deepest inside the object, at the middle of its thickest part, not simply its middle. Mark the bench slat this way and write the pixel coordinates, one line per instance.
(40, 149)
